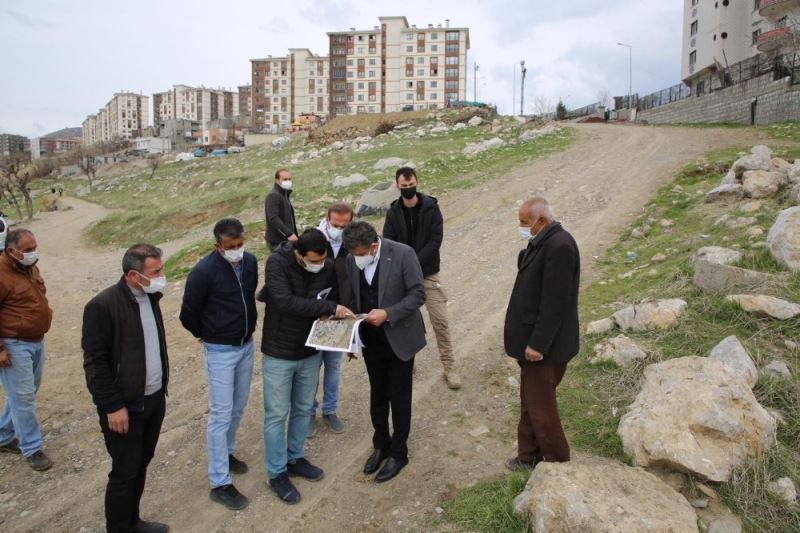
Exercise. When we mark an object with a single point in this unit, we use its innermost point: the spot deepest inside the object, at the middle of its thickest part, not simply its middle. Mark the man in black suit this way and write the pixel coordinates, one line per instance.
(541, 331)
(278, 210)
(387, 285)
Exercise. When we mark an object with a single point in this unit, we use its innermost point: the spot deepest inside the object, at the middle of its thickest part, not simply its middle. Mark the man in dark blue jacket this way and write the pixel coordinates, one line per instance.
(300, 287)
(219, 308)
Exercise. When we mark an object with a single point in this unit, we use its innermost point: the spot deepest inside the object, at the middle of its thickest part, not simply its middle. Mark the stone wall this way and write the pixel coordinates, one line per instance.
(775, 101)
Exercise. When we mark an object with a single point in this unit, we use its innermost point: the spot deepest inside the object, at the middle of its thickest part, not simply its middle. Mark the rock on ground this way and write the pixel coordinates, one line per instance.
(376, 199)
(473, 149)
(475, 121)
(602, 496)
(784, 488)
(761, 184)
(765, 306)
(726, 192)
(778, 369)
(600, 326)
(352, 179)
(713, 273)
(733, 355)
(659, 314)
(760, 158)
(692, 417)
(388, 162)
(620, 349)
(784, 238)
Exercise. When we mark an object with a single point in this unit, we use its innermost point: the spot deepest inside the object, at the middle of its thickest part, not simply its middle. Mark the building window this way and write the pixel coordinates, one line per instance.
(451, 35)
(693, 28)
(693, 59)
(451, 72)
(451, 85)
(420, 72)
(360, 97)
(409, 61)
(371, 73)
(372, 62)
(755, 36)
(349, 73)
(360, 49)
(451, 48)
(372, 98)
(434, 48)
(421, 49)
(409, 36)
(434, 36)
(451, 60)
(420, 60)
(361, 86)
(349, 62)
(434, 96)
(409, 96)
(409, 49)
(434, 84)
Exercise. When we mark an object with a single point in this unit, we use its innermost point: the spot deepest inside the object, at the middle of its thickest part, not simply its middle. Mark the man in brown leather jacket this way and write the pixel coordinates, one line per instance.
(25, 317)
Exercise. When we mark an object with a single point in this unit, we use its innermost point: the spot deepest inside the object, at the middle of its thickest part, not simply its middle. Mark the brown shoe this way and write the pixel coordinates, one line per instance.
(453, 379)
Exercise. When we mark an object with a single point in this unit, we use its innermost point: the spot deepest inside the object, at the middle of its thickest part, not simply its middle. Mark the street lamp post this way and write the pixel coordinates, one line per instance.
(522, 90)
(475, 83)
(630, 77)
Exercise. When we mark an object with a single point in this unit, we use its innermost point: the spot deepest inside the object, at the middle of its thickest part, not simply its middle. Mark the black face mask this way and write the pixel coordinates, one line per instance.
(409, 192)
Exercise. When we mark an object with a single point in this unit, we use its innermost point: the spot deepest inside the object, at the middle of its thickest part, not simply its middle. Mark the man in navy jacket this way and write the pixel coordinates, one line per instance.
(219, 308)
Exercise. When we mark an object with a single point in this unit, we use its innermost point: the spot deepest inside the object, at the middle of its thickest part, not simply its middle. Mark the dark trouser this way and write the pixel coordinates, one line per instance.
(390, 382)
(539, 433)
(130, 454)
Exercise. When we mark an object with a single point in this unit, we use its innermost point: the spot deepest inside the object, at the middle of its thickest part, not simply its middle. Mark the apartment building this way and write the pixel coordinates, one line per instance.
(125, 116)
(245, 104)
(718, 33)
(13, 146)
(779, 33)
(59, 142)
(396, 66)
(284, 88)
(199, 104)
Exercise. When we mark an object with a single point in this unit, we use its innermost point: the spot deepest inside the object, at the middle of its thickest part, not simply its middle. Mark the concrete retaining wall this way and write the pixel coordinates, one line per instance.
(775, 101)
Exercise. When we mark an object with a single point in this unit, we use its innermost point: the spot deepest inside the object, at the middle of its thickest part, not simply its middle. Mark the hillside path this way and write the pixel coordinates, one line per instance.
(597, 187)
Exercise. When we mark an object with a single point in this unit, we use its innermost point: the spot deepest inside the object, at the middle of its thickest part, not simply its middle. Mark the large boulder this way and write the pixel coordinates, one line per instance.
(760, 158)
(733, 355)
(725, 192)
(764, 306)
(600, 326)
(473, 149)
(793, 172)
(347, 181)
(713, 271)
(693, 416)
(597, 495)
(377, 199)
(649, 315)
(475, 121)
(388, 162)
(620, 350)
(784, 238)
(761, 184)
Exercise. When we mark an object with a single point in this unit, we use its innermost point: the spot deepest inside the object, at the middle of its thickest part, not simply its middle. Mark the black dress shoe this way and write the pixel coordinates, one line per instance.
(374, 462)
(390, 469)
(149, 527)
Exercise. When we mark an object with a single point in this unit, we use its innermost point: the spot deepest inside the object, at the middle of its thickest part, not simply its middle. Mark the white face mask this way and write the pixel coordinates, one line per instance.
(234, 256)
(29, 258)
(334, 233)
(313, 268)
(363, 261)
(156, 284)
(286, 185)
(525, 233)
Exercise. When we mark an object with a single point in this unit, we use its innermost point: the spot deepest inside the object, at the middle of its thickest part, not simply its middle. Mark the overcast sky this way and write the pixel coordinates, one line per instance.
(64, 59)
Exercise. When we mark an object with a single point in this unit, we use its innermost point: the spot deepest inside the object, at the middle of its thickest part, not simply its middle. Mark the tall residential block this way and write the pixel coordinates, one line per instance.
(199, 104)
(716, 34)
(780, 33)
(394, 66)
(245, 104)
(284, 88)
(125, 116)
(12, 146)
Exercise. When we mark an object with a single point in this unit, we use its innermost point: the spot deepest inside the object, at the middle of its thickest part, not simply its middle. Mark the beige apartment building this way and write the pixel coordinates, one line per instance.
(125, 116)
(284, 88)
(780, 32)
(199, 104)
(396, 66)
(245, 104)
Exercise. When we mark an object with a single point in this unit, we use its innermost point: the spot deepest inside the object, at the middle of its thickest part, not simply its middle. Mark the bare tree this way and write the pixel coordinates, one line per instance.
(603, 97)
(153, 162)
(542, 106)
(86, 160)
(7, 189)
(20, 175)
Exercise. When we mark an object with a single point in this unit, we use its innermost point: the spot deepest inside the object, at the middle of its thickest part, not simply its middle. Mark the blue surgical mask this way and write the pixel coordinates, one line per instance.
(525, 233)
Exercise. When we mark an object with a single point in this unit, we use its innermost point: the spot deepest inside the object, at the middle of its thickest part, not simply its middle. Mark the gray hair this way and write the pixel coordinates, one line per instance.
(136, 256)
(358, 234)
(16, 235)
(539, 207)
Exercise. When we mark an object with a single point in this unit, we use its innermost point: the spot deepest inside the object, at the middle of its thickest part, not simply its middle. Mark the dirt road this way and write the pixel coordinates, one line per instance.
(597, 187)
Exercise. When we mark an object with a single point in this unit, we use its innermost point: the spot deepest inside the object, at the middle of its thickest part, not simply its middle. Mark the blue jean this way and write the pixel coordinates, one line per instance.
(21, 382)
(229, 370)
(330, 383)
(288, 393)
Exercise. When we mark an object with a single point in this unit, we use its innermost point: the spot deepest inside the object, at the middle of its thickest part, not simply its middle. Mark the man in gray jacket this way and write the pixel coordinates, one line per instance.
(387, 285)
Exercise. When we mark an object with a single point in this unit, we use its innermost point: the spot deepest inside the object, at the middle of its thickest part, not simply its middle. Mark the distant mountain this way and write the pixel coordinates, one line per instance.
(66, 133)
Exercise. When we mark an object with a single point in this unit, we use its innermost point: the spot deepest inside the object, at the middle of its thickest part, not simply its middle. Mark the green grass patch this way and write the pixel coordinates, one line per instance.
(487, 506)
(592, 398)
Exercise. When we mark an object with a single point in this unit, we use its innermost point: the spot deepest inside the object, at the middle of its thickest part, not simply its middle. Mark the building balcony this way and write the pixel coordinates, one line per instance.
(774, 39)
(775, 9)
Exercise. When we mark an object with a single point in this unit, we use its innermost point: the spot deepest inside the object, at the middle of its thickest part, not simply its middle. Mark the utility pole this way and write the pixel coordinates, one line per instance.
(475, 83)
(513, 89)
(630, 77)
(522, 89)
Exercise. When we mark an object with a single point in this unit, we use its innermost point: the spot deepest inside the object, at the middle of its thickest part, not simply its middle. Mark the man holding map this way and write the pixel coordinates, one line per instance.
(300, 287)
